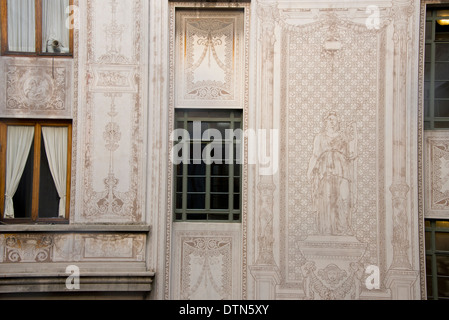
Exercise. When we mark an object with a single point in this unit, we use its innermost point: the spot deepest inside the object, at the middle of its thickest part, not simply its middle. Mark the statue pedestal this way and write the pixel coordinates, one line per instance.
(401, 282)
(332, 269)
(344, 248)
(267, 278)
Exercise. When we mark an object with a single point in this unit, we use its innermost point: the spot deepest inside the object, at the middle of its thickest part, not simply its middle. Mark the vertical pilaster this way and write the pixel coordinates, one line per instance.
(265, 271)
(400, 274)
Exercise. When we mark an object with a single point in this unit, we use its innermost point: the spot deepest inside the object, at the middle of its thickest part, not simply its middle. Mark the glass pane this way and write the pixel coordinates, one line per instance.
(21, 26)
(441, 89)
(196, 185)
(197, 128)
(48, 195)
(441, 108)
(427, 71)
(442, 51)
(442, 71)
(196, 201)
(179, 201)
(429, 30)
(441, 124)
(428, 240)
(236, 201)
(443, 287)
(196, 152)
(55, 34)
(220, 169)
(426, 90)
(237, 170)
(23, 197)
(219, 201)
(197, 169)
(196, 216)
(442, 265)
(236, 184)
(441, 31)
(428, 265)
(221, 127)
(179, 185)
(219, 184)
(428, 53)
(429, 287)
(442, 241)
(426, 108)
(218, 217)
(442, 224)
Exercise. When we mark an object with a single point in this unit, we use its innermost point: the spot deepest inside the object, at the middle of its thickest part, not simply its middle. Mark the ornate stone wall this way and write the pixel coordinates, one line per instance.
(104, 90)
(339, 91)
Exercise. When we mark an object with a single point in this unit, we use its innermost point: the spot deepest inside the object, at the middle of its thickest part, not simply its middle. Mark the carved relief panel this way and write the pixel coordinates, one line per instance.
(40, 248)
(436, 175)
(112, 112)
(36, 88)
(208, 264)
(332, 191)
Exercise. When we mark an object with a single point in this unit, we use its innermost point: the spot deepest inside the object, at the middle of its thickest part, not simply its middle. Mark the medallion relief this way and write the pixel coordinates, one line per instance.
(36, 89)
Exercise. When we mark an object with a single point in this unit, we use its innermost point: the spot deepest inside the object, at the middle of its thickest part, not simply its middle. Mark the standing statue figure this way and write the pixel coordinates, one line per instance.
(332, 174)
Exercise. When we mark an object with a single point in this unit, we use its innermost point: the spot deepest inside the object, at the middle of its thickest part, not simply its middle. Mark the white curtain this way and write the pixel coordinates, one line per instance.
(54, 24)
(19, 140)
(21, 25)
(55, 139)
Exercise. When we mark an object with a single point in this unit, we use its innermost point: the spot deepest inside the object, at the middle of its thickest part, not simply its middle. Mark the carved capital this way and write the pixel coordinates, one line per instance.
(399, 191)
(268, 15)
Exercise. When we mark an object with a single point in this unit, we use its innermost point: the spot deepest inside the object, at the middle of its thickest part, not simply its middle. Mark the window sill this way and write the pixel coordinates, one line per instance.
(74, 228)
(36, 55)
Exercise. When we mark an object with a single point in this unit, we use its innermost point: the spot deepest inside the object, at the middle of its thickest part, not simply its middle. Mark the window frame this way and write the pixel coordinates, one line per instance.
(38, 124)
(38, 34)
(432, 227)
(431, 118)
(230, 212)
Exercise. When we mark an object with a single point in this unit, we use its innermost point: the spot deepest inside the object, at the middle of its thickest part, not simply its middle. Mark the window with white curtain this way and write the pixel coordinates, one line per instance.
(35, 171)
(23, 32)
